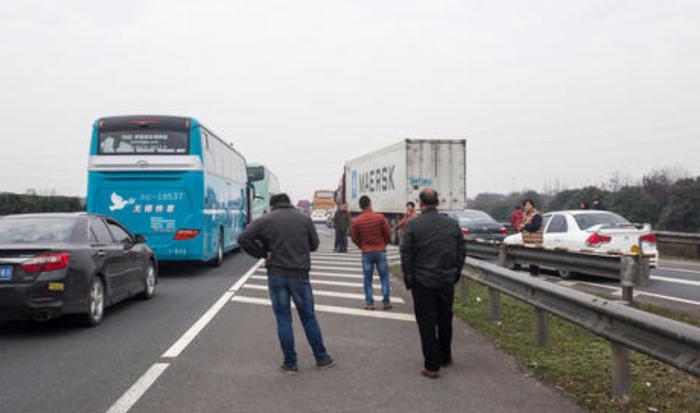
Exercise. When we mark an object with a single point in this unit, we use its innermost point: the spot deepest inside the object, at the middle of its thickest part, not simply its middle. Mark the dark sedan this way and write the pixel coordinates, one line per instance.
(53, 264)
(478, 225)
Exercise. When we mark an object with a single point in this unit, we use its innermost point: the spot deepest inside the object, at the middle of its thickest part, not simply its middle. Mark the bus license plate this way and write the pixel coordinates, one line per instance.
(5, 272)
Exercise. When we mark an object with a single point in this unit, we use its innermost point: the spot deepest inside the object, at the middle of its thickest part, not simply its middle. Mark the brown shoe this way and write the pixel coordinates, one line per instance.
(369, 307)
(386, 306)
(431, 374)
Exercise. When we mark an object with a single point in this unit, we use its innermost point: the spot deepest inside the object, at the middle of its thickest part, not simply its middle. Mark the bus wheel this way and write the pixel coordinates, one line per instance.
(219, 259)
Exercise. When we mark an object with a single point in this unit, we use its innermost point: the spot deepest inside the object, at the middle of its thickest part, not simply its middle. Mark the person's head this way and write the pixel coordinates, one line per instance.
(279, 200)
(518, 207)
(428, 199)
(596, 200)
(584, 204)
(365, 202)
(410, 206)
(528, 205)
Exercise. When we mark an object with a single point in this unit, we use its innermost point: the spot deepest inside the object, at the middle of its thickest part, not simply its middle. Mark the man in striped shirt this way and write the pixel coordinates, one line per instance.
(371, 233)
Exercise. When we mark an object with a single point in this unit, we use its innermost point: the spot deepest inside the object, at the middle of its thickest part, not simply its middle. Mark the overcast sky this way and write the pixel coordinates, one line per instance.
(574, 90)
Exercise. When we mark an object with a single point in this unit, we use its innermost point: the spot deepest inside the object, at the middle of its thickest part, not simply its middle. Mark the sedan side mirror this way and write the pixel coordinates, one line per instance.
(140, 239)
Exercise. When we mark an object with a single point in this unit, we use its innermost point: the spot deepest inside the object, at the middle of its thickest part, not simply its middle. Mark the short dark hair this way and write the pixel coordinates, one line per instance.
(411, 204)
(429, 197)
(365, 202)
(518, 207)
(529, 201)
(279, 199)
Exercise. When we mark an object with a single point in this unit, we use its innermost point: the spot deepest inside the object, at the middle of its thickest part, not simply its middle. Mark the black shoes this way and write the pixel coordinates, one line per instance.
(325, 364)
(290, 369)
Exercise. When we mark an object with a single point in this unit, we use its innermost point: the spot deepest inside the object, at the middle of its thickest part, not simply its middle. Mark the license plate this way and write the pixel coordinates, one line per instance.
(5, 272)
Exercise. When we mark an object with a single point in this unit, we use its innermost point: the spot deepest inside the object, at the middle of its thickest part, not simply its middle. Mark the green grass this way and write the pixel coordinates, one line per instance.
(578, 362)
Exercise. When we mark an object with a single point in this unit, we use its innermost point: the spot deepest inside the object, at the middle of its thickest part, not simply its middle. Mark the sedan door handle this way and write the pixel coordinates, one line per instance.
(100, 253)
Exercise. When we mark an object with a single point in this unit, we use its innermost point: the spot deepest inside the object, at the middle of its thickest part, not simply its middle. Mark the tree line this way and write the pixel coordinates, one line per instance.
(666, 201)
(31, 202)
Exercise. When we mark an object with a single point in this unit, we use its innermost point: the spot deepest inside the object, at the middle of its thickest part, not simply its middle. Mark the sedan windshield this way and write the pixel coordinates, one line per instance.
(36, 230)
(586, 221)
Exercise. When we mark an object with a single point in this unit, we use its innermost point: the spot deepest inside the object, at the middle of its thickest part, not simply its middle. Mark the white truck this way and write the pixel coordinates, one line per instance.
(394, 175)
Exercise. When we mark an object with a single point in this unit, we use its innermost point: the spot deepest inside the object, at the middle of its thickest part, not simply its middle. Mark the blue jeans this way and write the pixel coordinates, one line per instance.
(282, 290)
(369, 261)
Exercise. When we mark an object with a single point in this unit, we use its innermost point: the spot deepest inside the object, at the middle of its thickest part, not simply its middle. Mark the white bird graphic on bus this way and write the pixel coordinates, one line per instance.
(118, 203)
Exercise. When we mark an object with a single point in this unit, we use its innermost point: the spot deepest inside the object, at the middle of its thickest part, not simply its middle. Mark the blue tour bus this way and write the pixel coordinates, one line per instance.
(172, 180)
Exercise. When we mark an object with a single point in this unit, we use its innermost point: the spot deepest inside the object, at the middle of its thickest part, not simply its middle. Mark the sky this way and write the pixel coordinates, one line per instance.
(541, 90)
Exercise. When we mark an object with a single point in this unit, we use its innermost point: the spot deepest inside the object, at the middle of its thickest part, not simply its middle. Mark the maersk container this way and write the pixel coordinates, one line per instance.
(394, 175)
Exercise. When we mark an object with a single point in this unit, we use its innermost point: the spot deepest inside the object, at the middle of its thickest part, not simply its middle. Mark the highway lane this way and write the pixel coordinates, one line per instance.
(62, 367)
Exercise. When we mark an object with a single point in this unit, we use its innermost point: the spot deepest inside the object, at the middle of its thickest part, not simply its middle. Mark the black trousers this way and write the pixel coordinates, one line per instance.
(433, 310)
(341, 240)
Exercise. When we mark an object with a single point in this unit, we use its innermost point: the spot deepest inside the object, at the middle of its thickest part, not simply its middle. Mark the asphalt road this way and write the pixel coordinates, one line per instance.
(60, 366)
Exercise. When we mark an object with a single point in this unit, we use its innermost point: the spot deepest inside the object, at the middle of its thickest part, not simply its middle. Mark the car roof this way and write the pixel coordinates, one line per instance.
(456, 211)
(580, 211)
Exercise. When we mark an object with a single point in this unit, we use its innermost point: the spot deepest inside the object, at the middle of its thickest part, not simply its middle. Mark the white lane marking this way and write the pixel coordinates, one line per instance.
(678, 269)
(335, 309)
(618, 292)
(329, 274)
(324, 293)
(199, 325)
(322, 282)
(324, 267)
(138, 389)
(675, 280)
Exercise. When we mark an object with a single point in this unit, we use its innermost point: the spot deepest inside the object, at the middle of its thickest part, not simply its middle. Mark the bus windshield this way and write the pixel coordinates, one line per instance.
(143, 142)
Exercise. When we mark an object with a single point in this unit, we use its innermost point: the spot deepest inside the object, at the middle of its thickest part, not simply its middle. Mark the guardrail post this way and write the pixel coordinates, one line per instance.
(629, 271)
(503, 255)
(542, 328)
(494, 304)
(620, 371)
(463, 289)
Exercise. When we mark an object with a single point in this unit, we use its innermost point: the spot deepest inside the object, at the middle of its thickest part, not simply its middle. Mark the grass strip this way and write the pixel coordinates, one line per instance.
(577, 362)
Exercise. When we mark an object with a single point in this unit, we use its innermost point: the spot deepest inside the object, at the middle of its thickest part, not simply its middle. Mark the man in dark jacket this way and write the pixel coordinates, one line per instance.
(341, 222)
(432, 258)
(285, 238)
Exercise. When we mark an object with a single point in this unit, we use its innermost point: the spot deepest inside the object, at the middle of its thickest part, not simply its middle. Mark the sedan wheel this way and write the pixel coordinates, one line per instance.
(149, 282)
(96, 302)
(565, 274)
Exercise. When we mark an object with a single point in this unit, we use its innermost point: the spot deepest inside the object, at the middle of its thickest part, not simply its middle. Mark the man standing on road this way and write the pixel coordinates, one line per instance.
(409, 216)
(432, 258)
(341, 222)
(598, 204)
(371, 233)
(285, 238)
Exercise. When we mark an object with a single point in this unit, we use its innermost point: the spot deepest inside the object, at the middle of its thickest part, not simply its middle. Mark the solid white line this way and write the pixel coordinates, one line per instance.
(618, 292)
(199, 325)
(138, 389)
(323, 267)
(324, 293)
(335, 309)
(331, 274)
(322, 282)
(675, 280)
(678, 269)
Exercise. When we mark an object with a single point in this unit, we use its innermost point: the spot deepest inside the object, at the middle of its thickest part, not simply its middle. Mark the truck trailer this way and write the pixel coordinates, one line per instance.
(395, 175)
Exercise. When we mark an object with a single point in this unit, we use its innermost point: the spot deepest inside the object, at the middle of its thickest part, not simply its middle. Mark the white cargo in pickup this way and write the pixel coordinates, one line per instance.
(396, 174)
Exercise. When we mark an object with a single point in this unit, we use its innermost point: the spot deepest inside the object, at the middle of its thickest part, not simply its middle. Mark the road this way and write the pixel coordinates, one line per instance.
(62, 367)
(207, 343)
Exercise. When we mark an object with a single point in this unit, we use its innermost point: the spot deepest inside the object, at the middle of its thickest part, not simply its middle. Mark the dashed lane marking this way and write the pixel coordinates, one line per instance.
(675, 280)
(321, 282)
(138, 389)
(324, 293)
(388, 315)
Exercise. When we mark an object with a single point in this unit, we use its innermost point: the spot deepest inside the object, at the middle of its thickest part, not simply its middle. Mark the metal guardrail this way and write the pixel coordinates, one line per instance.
(677, 237)
(672, 342)
(602, 265)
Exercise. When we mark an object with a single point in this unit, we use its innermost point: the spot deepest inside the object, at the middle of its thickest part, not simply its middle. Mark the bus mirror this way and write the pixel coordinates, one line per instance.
(140, 239)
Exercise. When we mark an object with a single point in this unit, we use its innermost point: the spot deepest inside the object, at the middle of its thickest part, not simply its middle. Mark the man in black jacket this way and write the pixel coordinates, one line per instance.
(432, 257)
(285, 238)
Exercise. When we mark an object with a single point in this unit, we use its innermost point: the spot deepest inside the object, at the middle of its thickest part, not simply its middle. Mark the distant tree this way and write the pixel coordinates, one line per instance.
(682, 213)
(30, 202)
(634, 204)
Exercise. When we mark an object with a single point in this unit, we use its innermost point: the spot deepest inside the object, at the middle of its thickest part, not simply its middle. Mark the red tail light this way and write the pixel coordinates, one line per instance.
(465, 231)
(46, 262)
(650, 238)
(503, 231)
(597, 239)
(185, 234)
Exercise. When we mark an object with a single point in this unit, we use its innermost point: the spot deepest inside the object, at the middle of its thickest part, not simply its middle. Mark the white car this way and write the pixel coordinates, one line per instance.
(319, 215)
(594, 232)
